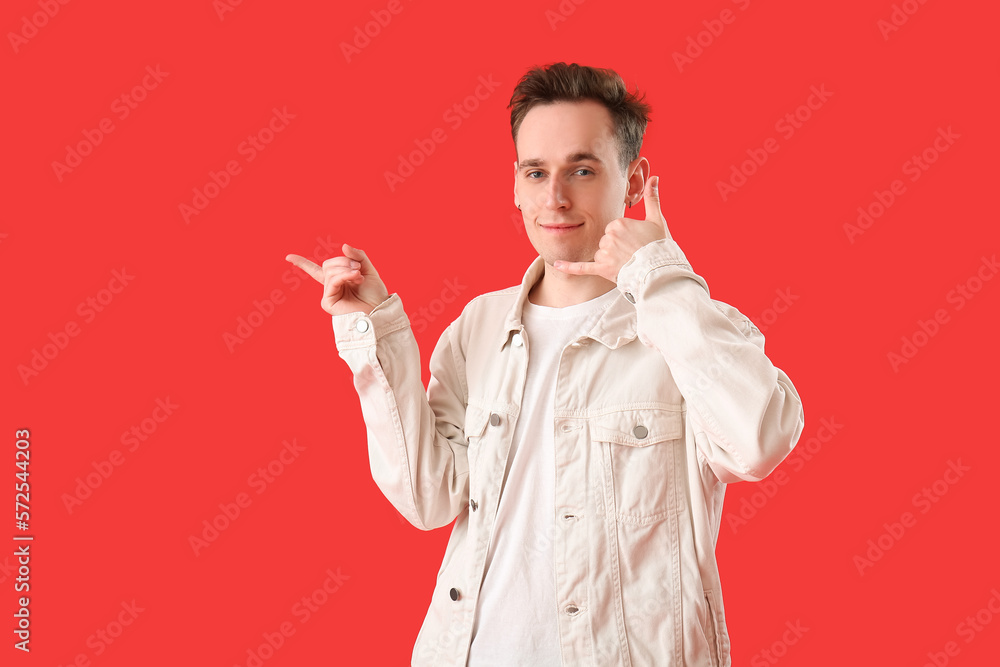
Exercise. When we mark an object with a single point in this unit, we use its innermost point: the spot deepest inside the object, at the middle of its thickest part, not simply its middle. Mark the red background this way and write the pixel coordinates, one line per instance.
(323, 176)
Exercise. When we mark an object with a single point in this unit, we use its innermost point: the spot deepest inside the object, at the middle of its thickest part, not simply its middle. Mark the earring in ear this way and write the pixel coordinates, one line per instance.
(630, 204)
(518, 207)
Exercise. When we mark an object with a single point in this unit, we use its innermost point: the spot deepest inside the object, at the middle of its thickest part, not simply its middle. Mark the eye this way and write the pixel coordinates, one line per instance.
(529, 174)
(584, 169)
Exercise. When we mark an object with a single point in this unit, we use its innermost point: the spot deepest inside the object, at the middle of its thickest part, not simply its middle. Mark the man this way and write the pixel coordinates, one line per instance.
(581, 426)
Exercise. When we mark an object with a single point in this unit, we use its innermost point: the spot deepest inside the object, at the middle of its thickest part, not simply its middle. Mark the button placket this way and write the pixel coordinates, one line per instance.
(568, 426)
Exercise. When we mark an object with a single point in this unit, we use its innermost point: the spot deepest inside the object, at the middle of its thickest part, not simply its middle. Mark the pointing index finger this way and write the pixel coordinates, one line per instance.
(309, 267)
(577, 268)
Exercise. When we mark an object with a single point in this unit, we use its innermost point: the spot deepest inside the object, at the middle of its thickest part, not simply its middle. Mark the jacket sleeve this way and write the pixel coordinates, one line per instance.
(746, 414)
(416, 440)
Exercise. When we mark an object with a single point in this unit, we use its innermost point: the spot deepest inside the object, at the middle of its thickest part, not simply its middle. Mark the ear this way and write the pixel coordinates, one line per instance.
(637, 173)
(517, 202)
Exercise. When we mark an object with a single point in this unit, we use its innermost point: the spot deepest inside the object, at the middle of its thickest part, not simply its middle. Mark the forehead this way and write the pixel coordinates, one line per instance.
(552, 131)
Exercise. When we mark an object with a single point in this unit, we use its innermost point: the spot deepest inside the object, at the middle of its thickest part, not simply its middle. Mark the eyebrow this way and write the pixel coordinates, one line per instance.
(572, 158)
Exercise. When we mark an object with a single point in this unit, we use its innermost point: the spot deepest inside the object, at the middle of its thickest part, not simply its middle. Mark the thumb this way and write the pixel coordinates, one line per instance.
(652, 196)
(359, 255)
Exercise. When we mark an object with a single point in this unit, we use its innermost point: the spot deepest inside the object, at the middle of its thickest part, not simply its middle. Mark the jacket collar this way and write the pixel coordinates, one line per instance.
(614, 328)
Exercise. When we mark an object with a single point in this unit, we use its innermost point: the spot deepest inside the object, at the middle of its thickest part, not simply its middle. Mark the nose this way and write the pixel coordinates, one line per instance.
(556, 195)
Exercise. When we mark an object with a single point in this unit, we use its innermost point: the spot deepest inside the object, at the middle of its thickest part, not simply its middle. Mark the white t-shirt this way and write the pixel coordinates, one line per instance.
(516, 615)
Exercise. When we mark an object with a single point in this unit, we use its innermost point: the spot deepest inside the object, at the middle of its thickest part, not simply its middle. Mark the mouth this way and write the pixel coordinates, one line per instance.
(560, 228)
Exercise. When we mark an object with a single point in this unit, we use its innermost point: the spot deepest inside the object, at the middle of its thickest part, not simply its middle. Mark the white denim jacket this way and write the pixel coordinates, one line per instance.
(667, 399)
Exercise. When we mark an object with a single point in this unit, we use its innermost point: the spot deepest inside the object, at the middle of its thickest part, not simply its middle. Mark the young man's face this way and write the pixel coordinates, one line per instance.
(568, 181)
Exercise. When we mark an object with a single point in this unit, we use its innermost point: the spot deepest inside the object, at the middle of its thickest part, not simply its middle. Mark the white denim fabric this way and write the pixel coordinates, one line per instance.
(668, 398)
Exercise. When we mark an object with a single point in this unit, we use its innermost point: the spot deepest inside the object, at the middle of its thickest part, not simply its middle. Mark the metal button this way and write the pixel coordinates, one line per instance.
(516, 340)
(628, 295)
(362, 325)
(640, 431)
(494, 419)
(454, 594)
(570, 609)
(474, 505)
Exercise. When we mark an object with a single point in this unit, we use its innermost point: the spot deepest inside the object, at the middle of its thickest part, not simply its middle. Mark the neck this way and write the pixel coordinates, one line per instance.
(557, 289)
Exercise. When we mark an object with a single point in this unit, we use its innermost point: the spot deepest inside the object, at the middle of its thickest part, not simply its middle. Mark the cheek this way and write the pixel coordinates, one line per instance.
(529, 197)
(604, 204)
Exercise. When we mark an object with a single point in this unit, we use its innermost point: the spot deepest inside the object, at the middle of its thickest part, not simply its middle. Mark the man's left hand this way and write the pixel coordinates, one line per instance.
(622, 237)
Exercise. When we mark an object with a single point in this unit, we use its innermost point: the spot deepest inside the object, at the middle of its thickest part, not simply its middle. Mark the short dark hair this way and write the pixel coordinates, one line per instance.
(560, 82)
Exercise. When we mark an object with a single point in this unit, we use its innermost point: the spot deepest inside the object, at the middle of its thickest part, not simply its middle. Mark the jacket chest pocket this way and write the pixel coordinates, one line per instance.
(477, 419)
(640, 452)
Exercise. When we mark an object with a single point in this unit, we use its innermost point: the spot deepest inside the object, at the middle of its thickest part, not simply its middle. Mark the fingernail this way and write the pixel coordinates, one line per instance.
(355, 264)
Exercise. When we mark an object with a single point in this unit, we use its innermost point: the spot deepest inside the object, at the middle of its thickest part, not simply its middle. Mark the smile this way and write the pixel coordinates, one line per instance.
(561, 229)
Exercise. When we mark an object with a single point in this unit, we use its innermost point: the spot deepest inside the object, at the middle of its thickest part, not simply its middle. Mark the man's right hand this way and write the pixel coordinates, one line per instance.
(350, 282)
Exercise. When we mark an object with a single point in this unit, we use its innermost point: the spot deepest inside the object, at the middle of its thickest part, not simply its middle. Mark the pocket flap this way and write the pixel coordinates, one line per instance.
(476, 418)
(639, 427)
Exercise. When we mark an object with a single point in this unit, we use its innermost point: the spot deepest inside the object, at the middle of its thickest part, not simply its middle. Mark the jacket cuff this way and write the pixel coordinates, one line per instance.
(653, 255)
(354, 330)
